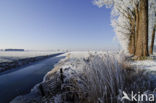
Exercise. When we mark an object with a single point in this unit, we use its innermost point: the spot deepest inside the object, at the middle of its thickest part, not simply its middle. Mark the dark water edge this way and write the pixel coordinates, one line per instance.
(21, 81)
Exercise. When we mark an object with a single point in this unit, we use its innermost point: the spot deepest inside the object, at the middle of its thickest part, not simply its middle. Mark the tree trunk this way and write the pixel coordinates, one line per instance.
(132, 37)
(137, 27)
(132, 44)
(142, 41)
(152, 40)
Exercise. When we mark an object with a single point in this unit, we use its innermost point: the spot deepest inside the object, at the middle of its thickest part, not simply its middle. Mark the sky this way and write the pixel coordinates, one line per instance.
(55, 24)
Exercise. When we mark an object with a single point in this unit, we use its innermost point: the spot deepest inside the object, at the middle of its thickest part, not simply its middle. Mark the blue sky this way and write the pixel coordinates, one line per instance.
(55, 24)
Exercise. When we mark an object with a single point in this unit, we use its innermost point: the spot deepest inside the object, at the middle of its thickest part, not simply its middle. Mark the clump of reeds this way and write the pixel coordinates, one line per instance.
(103, 79)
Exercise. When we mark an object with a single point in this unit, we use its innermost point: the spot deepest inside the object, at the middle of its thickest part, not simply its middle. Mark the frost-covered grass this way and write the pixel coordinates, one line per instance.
(101, 79)
(91, 78)
(107, 76)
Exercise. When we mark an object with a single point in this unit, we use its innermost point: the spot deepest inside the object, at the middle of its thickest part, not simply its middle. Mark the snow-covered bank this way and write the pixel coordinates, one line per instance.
(88, 77)
(149, 65)
(25, 61)
(9, 56)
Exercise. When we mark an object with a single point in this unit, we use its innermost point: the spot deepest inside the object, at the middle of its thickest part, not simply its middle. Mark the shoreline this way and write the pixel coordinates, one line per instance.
(5, 67)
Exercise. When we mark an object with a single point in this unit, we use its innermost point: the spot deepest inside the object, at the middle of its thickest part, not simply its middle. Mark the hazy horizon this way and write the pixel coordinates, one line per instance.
(55, 24)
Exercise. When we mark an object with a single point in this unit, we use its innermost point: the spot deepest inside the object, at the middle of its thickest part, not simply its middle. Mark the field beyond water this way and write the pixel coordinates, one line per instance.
(9, 56)
(91, 77)
(14, 59)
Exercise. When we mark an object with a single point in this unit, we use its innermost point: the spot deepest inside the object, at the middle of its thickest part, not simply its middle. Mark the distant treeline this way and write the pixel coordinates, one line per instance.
(14, 50)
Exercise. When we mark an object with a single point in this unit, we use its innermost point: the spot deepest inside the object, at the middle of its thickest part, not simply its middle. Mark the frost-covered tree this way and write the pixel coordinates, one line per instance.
(130, 22)
(119, 19)
(152, 22)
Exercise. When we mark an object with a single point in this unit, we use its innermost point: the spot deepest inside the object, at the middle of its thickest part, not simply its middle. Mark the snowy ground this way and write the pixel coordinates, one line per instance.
(149, 65)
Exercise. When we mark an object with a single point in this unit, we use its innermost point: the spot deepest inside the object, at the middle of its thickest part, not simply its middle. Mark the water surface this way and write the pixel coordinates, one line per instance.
(22, 80)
